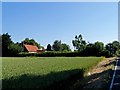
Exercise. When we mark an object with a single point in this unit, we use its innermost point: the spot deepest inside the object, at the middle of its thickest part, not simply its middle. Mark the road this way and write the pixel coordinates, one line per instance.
(115, 83)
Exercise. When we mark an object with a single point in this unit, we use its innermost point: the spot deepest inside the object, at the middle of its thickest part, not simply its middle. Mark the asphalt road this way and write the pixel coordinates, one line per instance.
(116, 77)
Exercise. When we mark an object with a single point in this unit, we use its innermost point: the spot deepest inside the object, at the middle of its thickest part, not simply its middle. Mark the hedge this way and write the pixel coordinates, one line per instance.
(61, 54)
(51, 54)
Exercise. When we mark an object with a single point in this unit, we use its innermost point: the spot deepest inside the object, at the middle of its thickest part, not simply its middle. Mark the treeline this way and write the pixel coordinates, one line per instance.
(9, 48)
(58, 46)
(97, 48)
(81, 48)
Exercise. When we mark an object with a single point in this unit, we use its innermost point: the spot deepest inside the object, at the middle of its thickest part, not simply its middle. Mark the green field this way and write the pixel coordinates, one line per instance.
(41, 72)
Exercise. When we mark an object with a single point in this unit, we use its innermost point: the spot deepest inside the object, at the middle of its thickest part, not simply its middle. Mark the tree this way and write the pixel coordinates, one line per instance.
(15, 49)
(113, 48)
(99, 47)
(109, 48)
(9, 48)
(93, 49)
(49, 47)
(57, 45)
(116, 47)
(6, 41)
(79, 44)
(31, 42)
(20, 46)
(0, 45)
(65, 47)
(90, 50)
(0, 39)
(74, 44)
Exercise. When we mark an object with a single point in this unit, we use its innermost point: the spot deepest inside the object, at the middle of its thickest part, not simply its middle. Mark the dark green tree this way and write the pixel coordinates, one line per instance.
(31, 42)
(116, 47)
(91, 50)
(6, 41)
(99, 47)
(9, 48)
(65, 47)
(49, 47)
(15, 49)
(109, 49)
(0, 45)
(113, 48)
(57, 45)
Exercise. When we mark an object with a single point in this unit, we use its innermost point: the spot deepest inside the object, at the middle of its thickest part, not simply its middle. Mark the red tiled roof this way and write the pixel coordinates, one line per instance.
(31, 48)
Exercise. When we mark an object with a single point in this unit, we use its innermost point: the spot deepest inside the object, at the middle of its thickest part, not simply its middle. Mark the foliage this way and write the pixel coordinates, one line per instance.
(49, 47)
(6, 41)
(57, 45)
(0, 39)
(43, 72)
(9, 48)
(31, 42)
(113, 48)
(51, 54)
(97, 48)
(79, 44)
(90, 50)
(116, 47)
(109, 48)
(65, 47)
(0, 45)
(15, 49)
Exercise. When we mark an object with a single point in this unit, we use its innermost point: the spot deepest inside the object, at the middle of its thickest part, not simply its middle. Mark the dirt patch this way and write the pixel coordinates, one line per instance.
(104, 65)
(99, 77)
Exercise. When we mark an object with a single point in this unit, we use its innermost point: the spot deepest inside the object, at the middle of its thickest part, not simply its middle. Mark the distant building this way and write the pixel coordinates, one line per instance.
(32, 49)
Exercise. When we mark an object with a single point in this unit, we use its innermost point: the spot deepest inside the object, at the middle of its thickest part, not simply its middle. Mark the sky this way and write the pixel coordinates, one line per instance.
(46, 22)
(60, 0)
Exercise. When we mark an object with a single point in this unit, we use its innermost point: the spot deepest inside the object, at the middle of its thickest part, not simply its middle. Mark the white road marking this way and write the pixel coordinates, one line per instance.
(111, 85)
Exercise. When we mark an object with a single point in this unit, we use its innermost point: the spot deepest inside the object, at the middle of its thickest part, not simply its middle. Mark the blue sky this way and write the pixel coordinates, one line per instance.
(47, 22)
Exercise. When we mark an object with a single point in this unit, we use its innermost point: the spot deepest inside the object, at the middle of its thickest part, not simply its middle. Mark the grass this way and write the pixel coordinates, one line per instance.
(42, 72)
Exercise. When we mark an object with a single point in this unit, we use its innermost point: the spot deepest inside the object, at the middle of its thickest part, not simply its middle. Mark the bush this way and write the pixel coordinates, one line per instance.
(106, 53)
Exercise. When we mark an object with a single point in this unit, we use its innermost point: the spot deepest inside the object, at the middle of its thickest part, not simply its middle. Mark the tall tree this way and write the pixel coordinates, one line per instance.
(9, 48)
(79, 44)
(49, 47)
(109, 48)
(99, 47)
(0, 45)
(6, 41)
(116, 47)
(57, 45)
